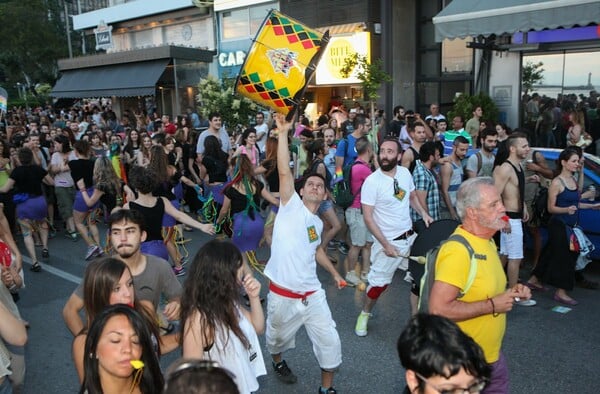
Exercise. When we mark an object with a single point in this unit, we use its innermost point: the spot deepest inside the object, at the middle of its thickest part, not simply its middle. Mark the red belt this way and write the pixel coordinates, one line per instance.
(289, 294)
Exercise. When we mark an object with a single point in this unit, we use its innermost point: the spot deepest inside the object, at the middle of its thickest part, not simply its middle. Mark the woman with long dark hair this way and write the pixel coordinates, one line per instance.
(119, 354)
(170, 187)
(214, 324)
(248, 146)
(557, 263)
(108, 281)
(83, 168)
(241, 202)
(213, 171)
(268, 168)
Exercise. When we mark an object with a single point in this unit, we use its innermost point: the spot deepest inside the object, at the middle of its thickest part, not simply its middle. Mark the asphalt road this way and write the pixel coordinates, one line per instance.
(548, 352)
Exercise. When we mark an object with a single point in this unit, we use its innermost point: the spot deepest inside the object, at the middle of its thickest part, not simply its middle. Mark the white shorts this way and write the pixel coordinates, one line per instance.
(511, 244)
(359, 233)
(286, 315)
(383, 267)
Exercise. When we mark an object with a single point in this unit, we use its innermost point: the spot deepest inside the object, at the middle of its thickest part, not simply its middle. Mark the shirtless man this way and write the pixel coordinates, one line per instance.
(509, 178)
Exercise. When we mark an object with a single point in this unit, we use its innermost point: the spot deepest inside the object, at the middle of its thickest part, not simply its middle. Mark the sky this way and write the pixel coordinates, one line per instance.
(576, 66)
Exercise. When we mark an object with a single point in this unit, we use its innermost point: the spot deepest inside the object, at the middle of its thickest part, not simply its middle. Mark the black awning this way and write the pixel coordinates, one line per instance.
(121, 80)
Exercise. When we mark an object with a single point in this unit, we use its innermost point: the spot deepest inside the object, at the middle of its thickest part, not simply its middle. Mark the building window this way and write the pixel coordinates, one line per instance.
(235, 24)
(243, 22)
(443, 69)
(456, 57)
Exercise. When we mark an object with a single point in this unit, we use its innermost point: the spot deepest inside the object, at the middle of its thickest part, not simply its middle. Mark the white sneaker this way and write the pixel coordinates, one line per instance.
(408, 277)
(352, 279)
(528, 302)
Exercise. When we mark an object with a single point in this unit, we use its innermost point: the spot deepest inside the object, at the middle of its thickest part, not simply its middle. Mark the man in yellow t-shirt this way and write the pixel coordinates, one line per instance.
(481, 312)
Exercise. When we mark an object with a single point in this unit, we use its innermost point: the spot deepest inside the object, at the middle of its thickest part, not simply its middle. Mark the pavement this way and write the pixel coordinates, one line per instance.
(547, 352)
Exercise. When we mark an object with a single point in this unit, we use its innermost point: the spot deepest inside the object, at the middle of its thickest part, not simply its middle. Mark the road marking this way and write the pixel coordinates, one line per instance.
(55, 271)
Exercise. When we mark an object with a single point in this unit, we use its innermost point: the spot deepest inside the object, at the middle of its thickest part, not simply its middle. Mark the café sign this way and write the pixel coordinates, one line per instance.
(103, 36)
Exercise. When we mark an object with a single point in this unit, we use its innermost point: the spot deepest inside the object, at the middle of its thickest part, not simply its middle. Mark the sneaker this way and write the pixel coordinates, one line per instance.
(352, 279)
(179, 271)
(284, 373)
(330, 390)
(364, 276)
(92, 251)
(99, 252)
(71, 235)
(45, 253)
(528, 302)
(343, 248)
(361, 324)
(332, 245)
(408, 277)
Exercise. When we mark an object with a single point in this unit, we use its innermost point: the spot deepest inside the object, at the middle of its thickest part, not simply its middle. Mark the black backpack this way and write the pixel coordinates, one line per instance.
(539, 206)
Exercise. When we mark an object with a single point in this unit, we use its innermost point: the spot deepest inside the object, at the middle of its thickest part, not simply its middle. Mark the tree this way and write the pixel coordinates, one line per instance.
(218, 96)
(371, 76)
(465, 104)
(533, 74)
(34, 40)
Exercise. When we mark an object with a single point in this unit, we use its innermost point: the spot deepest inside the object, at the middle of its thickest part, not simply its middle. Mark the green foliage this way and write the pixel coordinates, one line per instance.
(32, 101)
(465, 104)
(218, 96)
(370, 74)
(533, 74)
(33, 39)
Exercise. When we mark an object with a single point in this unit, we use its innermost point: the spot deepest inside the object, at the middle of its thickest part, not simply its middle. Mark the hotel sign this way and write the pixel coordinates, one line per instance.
(103, 36)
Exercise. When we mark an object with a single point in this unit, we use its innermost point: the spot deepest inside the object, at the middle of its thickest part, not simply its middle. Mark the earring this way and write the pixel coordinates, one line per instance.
(91, 355)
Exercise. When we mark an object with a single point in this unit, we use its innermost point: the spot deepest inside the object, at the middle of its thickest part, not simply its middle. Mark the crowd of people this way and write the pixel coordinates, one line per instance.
(276, 184)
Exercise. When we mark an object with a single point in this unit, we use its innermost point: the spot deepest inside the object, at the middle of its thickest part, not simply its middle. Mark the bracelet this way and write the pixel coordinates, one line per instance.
(494, 313)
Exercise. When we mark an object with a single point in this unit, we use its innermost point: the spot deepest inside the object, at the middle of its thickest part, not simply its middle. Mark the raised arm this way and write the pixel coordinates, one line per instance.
(286, 179)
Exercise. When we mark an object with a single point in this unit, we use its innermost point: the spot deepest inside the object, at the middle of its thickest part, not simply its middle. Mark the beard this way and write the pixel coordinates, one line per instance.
(125, 254)
(387, 165)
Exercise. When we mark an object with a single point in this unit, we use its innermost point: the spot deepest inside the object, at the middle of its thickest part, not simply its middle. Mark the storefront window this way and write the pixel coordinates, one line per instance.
(565, 73)
(456, 57)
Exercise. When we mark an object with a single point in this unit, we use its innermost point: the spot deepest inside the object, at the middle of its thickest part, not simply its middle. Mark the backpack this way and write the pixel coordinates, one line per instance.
(429, 275)
(539, 206)
(342, 191)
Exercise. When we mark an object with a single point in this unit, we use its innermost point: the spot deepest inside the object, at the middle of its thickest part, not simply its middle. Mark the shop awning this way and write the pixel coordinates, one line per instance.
(463, 18)
(121, 80)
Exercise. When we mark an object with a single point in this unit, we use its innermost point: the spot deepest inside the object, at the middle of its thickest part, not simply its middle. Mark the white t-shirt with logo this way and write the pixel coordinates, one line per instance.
(296, 236)
(391, 210)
